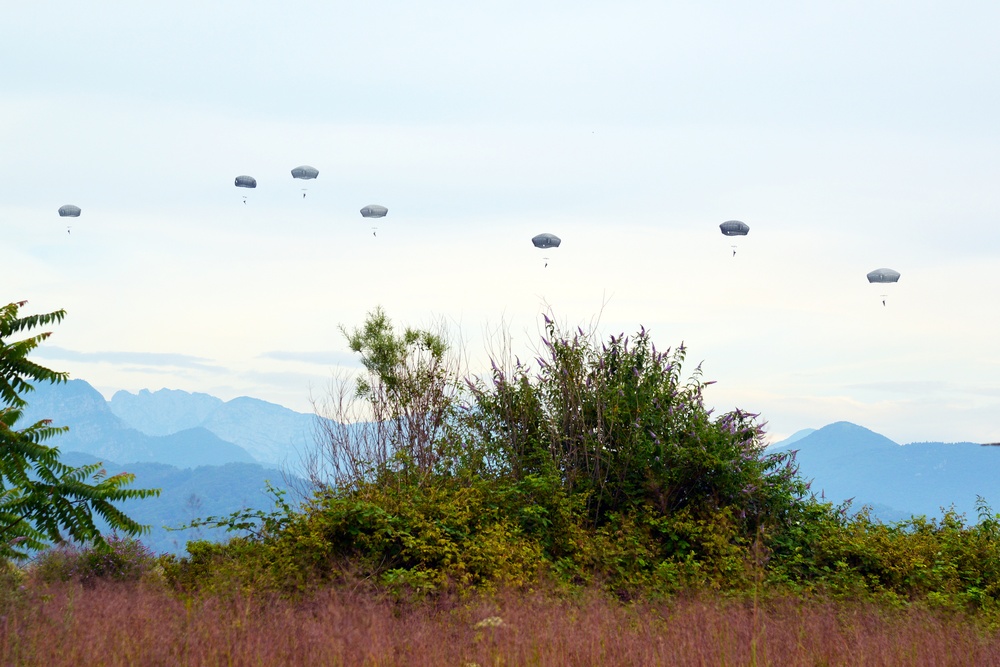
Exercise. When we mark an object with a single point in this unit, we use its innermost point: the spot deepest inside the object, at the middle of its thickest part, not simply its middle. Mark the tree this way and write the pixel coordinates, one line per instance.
(392, 422)
(617, 424)
(41, 498)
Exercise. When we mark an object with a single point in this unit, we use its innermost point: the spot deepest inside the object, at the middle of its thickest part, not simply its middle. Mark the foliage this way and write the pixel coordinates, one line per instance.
(598, 465)
(12, 578)
(941, 562)
(254, 523)
(391, 425)
(40, 497)
(238, 567)
(618, 425)
(114, 558)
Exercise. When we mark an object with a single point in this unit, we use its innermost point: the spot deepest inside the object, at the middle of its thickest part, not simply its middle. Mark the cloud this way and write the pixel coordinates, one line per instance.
(155, 359)
(927, 388)
(320, 357)
(919, 387)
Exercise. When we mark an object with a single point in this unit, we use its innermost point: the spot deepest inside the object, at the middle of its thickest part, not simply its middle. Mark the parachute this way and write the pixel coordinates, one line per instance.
(246, 182)
(734, 228)
(883, 276)
(305, 172)
(69, 211)
(546, 241)
(374, 211)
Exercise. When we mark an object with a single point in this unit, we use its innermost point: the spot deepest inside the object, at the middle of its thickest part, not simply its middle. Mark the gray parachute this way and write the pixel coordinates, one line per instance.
(546, 241)
(246, 182)
(883, 276)
(735, 228)
(374, 211)
(69, 211)
(305, 172)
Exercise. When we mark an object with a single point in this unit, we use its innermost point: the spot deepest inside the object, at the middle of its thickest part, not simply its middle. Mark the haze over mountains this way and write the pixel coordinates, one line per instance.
(213, 457)
(208, 457)
(173, 427)
(845, 461)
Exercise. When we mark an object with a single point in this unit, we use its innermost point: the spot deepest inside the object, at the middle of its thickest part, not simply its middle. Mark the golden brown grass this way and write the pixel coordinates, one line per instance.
(129, 624)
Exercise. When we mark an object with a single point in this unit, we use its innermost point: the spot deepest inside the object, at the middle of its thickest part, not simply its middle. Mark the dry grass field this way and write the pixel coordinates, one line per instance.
(136, 624)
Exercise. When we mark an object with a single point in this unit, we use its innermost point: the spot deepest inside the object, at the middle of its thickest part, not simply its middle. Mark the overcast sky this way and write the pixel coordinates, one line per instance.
(850, 136)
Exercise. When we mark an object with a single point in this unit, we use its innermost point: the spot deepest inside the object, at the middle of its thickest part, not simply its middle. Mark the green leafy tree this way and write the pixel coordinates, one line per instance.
(393, 422)
(43, 500)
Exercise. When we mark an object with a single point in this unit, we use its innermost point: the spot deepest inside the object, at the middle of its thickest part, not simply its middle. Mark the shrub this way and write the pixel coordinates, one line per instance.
(115, 558)
(617, 424)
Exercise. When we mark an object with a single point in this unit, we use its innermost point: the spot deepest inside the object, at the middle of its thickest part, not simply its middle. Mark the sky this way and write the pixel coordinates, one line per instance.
(849, 136)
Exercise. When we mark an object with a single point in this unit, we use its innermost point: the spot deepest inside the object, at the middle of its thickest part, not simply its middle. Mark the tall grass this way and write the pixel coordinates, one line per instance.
(127, 623)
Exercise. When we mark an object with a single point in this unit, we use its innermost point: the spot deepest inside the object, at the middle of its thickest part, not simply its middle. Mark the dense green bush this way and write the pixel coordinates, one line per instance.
(617, 424)
(942, 562)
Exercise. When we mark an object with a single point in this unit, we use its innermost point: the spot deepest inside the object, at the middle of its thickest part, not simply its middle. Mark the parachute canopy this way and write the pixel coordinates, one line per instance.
(546, 241)
(883, 276)
(246, 182)
(735, 228)
(374, 211)
(69, 211)
(305, 172)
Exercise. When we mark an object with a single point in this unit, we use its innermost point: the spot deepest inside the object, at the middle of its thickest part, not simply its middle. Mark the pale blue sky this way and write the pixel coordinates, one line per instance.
(849, 136)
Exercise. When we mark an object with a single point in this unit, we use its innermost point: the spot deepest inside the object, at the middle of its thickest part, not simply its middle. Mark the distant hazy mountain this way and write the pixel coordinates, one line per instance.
(163, 412)
(94, 429)
(845, 460)
(273, 434)
(191, 493)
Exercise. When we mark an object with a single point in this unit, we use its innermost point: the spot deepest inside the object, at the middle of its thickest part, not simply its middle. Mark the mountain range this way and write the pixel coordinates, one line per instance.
(846, 461)
(207, 456)
(214, 457)
(173, 427)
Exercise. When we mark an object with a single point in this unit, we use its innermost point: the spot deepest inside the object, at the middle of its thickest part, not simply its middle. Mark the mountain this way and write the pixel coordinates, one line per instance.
(794, 437)
(273, 434)
(846, 461)
(163, 412)
(95, 430)
(191, 493)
